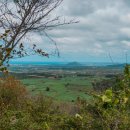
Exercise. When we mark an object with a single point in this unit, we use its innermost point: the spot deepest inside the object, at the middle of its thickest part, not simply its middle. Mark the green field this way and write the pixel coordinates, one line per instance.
(63, 84)
(63, 89)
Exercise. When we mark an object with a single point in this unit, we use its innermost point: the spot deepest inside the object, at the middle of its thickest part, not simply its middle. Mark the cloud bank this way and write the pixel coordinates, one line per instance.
(103, 30)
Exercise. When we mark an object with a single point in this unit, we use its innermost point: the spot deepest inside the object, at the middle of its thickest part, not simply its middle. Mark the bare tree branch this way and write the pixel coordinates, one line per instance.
(20, 17)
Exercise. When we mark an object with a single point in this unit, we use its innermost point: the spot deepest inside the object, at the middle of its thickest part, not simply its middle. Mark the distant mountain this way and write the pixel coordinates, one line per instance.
(74, 64)
(117, 65)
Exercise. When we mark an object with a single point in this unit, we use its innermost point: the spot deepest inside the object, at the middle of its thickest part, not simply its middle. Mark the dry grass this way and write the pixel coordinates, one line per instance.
(12, 92)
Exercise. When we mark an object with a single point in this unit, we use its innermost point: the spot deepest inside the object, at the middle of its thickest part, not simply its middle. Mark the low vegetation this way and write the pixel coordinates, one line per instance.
(108, 110)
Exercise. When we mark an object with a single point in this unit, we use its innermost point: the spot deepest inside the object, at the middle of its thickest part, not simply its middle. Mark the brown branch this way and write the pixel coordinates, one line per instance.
(29, 16)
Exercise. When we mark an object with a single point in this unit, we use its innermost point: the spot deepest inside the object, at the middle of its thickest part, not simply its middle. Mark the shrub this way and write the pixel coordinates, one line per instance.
(12, 93)
(47, 89)
(111, 108)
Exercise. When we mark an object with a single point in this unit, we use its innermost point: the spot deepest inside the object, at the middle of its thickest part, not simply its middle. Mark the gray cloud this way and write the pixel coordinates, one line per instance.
(104, 28)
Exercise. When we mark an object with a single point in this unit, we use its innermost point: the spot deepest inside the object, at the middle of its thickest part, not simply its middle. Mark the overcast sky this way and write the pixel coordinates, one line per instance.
(102, 35)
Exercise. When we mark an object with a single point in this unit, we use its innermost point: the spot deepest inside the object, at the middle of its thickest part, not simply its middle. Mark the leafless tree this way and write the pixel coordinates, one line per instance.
(20, 17)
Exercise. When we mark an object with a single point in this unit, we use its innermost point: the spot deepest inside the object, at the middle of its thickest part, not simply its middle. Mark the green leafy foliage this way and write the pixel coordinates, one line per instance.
(112, 106)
